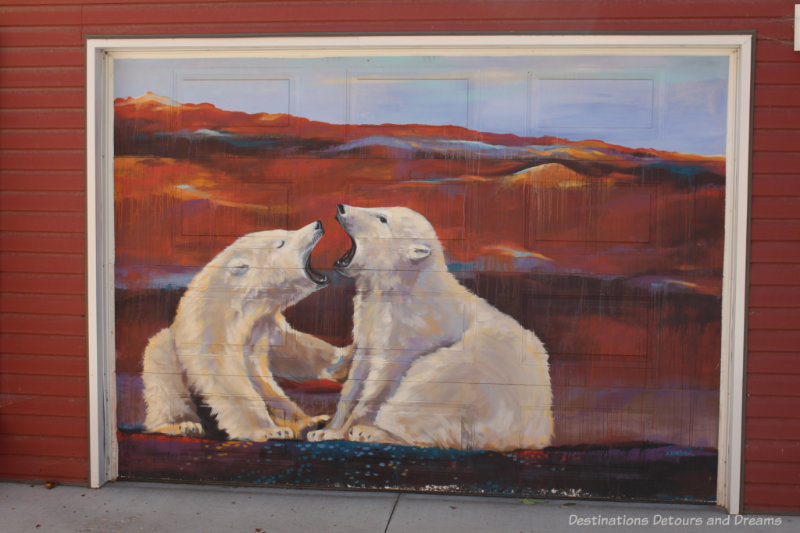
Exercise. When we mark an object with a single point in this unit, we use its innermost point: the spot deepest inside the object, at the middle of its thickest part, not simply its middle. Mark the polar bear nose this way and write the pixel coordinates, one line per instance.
(340, 208)
(318, 225)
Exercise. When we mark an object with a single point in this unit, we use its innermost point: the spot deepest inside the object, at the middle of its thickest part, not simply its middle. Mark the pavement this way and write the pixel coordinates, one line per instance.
(136, 507)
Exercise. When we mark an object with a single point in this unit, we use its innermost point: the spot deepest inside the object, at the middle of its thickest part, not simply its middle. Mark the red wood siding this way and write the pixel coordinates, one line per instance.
(42, 261)
(42, 232)
(772, 454)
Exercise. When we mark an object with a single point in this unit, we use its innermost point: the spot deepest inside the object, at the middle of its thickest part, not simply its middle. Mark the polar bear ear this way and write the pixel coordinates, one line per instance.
(418, 252)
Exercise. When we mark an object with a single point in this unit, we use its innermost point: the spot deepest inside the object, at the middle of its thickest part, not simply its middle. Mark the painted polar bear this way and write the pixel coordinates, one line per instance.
(433, 364)
(229, 336)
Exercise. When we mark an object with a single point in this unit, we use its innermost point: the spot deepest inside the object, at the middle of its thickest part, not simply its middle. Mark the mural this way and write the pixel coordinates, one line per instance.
(458, 274)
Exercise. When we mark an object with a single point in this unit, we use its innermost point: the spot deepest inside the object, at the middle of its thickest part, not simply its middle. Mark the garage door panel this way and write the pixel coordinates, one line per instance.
(369, 92)
(580, 208)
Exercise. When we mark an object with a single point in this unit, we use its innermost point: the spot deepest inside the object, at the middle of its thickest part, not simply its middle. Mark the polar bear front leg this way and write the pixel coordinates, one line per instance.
(350, 398)
(363, 391)
(246, 420)
(283, 411)
(343, 419)
(239, 409)
(338, 426)
(299, 356)
(169, 406)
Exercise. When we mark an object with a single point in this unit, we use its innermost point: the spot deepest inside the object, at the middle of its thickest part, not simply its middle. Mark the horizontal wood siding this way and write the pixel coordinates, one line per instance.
(42, 216)
(43, 434)
(772, 428)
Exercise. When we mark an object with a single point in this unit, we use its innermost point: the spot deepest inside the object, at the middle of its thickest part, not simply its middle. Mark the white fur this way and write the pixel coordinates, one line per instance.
(434, 364)
(229, 336)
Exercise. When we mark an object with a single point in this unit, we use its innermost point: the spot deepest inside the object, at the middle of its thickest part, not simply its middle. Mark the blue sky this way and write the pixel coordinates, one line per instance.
(675, 103)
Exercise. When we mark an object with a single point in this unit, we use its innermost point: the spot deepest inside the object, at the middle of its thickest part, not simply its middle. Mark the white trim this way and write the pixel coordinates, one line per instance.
(100, 267)
(734, 291)
(397, 45)
(100, 169)
(797, 27)
(96, 446)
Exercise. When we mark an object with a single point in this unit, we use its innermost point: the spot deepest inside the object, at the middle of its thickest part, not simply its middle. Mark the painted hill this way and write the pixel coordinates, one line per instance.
(193, 177)
(152, 114)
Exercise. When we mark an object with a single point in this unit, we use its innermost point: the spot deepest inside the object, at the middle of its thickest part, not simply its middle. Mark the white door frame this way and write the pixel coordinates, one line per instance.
(101, 52)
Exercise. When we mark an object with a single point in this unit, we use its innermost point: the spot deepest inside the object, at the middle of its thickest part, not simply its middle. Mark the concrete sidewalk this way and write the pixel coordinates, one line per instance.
(135, 507)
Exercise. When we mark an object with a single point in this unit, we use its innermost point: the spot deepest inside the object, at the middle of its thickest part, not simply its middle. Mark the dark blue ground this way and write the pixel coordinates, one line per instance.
(635, 471)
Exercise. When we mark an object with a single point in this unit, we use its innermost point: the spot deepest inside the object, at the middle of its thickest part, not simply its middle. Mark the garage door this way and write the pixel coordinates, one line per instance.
(488, 274)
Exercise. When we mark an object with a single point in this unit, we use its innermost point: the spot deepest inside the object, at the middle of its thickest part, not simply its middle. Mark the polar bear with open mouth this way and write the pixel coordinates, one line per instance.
(433, 364)
(229, 336)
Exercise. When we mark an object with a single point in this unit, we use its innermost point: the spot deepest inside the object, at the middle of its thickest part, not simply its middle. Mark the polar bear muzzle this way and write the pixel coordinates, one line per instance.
(344, 261)
(347, 258)
(317, 277)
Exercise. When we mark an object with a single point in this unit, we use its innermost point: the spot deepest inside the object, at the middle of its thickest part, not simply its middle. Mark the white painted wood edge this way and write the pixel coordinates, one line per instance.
(100, 268)
(734, 292)
(797, 27)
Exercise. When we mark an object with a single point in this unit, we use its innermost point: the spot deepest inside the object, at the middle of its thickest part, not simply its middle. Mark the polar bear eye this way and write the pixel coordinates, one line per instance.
(239, 269)
(383, 219)
(278, 244)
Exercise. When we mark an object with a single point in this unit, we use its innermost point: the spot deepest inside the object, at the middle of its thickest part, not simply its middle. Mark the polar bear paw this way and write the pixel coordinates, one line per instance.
(368, 434)
(181, 429)
(301, 426)
(279, 433)
(261, 435)
(325, 434)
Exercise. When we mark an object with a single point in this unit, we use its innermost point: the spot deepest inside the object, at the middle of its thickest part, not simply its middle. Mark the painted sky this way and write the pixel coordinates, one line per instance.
(675, 103)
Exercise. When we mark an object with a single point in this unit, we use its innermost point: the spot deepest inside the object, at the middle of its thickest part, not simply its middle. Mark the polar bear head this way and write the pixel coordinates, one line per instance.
(272, 268)
(388, 241)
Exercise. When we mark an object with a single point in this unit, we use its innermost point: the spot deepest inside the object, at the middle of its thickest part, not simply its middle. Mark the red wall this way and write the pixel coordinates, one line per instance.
(43, 424)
